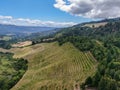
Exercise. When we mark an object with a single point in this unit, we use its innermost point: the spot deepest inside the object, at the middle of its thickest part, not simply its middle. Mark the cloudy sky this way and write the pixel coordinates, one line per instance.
(56, 13)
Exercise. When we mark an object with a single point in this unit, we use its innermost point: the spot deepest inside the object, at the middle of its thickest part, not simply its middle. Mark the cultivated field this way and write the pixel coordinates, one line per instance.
(22, 44)
(54, 67)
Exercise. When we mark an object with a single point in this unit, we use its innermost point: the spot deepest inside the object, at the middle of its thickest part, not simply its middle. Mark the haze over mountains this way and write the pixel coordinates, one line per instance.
(13, 29)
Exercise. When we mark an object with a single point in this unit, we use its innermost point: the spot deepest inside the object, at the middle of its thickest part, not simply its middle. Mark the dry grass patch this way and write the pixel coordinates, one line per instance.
(22, 44)
(95, 25)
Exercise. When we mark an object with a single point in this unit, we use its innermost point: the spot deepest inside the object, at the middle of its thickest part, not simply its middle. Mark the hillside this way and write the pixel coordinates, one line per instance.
(79, 56)
(104, 44)
(54, 67)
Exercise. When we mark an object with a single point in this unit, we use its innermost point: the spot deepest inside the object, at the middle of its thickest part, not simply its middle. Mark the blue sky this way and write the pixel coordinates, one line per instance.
(37, 9)
(58, 13)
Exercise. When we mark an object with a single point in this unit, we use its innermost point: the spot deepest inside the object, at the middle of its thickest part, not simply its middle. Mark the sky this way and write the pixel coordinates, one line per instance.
(56, 13)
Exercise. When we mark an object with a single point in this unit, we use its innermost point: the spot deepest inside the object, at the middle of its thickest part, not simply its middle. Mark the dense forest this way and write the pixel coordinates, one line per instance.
(104, 43)
(11, 70)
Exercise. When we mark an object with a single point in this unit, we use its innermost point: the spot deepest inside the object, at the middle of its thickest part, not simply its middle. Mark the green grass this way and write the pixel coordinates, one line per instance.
(5, 65)
(54, 67)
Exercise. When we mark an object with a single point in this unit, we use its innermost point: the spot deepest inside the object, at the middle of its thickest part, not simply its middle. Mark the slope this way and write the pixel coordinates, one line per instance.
(54, 67)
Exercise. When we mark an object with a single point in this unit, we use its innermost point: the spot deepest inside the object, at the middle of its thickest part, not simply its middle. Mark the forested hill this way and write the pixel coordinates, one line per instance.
(104, 43)
(110, 30)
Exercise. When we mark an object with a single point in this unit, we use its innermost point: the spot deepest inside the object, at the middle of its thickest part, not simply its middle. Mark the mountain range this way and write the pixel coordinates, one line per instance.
(13, 29)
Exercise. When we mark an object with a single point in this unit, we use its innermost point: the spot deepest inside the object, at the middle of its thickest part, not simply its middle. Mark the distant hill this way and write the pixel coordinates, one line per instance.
(95, 28)
(12, 29)
(99, 22)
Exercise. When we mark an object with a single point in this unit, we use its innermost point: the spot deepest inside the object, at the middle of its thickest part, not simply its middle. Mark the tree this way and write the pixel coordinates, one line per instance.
(107, 83)
(96, 79)
(102, 84)
(88, 81)
(112, 85)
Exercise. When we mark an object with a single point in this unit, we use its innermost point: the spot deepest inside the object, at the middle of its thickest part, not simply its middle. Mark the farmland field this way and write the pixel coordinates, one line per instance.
(54, 67)
(22, 44)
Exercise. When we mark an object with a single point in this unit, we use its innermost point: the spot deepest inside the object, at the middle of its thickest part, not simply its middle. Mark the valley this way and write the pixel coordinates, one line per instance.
(80, 57)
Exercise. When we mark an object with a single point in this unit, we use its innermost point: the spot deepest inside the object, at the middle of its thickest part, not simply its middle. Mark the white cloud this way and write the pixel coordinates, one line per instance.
(31, 22)
(90, 8)
(6, 17)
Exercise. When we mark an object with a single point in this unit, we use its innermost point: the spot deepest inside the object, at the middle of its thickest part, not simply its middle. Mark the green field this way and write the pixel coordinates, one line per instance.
(54, 67)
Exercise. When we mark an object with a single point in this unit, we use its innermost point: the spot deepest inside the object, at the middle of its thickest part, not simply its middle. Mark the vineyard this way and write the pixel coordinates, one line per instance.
(54, 67)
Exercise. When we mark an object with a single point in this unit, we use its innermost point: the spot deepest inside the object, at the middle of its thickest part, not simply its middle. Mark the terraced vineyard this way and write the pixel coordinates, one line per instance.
(54, 67)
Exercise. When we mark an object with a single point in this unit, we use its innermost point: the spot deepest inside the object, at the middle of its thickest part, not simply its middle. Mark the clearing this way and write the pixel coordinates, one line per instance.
(95, 25)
